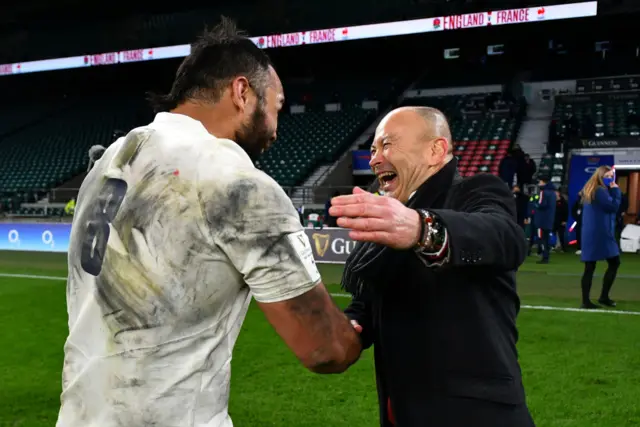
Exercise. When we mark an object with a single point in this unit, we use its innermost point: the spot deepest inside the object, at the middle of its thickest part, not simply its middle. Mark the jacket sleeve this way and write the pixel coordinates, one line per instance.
(543, 202)
(609, 200)
(482, 228)
(360, 311)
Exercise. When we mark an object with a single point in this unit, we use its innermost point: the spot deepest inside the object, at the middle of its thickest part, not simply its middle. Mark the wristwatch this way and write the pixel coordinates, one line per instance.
(432, 233)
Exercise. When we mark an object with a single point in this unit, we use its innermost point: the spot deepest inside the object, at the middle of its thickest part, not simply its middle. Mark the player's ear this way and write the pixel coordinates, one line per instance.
(240, 92)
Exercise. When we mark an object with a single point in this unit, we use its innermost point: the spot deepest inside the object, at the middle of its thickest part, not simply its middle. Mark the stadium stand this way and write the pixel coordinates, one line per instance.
(54, 150)
(483, 127)
(604, 117)
(307, 139)
(50, 148)
(553, 167)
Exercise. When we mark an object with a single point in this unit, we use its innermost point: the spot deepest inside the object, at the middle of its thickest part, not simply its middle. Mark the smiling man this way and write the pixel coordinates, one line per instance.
(433, 280)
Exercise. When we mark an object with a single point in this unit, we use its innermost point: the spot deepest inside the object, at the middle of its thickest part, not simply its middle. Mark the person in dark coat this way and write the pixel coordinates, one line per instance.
(532, 234)
(507, 168)
(576, 213)
(526, 170)
(522, 204)
(330, 221)
(433, 281)
(601, 201)
(622, 211)
(560, 221)
(545, 216)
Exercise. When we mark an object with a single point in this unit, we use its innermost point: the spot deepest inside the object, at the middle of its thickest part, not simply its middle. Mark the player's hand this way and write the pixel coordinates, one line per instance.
(613, 185)
(356, 326)
(376, 219)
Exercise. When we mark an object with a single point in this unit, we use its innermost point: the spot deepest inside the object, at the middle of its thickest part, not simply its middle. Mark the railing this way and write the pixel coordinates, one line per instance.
(46, 199)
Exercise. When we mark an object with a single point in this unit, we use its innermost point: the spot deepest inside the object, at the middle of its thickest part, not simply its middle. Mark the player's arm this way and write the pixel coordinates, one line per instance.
(256, 225)
(317, 332)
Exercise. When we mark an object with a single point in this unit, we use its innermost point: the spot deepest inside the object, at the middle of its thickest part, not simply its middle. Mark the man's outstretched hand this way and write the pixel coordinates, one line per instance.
(377, 219)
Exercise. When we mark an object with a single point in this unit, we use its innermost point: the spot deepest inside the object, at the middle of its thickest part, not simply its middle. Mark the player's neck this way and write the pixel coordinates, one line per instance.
(211, 117)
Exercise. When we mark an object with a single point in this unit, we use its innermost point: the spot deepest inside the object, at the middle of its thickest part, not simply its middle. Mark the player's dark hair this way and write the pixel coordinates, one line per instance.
(217, 57)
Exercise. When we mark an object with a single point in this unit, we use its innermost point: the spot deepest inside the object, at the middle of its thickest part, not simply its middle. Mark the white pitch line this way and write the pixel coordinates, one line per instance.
(31, 276)
(548, 308)
(338, 295)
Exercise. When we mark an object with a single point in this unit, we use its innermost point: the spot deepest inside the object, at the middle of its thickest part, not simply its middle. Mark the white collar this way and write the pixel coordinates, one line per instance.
(196, 126)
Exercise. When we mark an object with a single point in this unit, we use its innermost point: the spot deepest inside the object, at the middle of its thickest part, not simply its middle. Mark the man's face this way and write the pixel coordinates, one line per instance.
(259, 128)
(402, 154)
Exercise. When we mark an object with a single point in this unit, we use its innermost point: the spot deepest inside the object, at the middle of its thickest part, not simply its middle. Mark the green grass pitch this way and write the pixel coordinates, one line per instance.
(580, 369)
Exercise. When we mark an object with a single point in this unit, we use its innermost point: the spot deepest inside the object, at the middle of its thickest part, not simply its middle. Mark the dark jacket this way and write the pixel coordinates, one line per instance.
(445, 338)
(576, 211)
(562, 213)
(546, 208)
(522, 205)
(599, 225)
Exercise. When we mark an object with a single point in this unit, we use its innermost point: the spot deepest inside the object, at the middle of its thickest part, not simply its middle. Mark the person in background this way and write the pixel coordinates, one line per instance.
(330, 221)
(576, 213)
(522, 204)
(624, 207)
(601, 198)
(560, 223)
(507, 168)
(530, 221)
(70, 207)
(526, 170)
(545, 216)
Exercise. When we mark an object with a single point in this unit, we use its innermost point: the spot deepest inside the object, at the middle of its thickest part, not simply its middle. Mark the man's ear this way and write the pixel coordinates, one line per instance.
(240, 89)
(440, 148)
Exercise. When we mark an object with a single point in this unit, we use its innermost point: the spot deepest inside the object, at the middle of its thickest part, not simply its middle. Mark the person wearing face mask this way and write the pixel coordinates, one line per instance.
(433, 281)
(601, 198)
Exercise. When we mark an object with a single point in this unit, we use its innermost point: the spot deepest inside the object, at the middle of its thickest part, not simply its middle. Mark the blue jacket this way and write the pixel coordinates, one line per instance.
(546, 208)
(599, 225)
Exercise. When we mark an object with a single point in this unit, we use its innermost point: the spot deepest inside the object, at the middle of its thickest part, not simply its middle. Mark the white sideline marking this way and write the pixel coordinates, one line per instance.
(31, 276)
(338, 295)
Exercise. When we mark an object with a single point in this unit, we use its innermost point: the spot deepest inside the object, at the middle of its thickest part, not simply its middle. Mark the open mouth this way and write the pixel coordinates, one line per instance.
(387, 179)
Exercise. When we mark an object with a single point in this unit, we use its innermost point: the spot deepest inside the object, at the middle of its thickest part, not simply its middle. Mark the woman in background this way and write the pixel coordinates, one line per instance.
(601, 200)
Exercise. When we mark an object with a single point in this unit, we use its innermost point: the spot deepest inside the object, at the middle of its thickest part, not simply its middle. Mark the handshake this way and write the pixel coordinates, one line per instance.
(356, 326)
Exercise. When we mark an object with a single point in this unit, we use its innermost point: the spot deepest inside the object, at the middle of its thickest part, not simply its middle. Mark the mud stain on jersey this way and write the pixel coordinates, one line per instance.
(132, 286)
(252, 214)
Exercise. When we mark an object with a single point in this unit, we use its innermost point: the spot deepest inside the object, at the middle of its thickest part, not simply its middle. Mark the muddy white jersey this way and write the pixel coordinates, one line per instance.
(174, 231)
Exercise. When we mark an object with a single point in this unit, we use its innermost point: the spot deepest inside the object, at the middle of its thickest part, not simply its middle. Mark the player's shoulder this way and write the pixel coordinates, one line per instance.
(240, 184)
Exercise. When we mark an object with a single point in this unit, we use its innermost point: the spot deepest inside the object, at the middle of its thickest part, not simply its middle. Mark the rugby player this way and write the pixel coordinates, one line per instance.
(175, 230)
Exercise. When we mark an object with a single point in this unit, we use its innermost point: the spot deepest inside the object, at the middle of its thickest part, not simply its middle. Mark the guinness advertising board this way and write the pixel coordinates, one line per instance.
(615, 142)
(330, 245)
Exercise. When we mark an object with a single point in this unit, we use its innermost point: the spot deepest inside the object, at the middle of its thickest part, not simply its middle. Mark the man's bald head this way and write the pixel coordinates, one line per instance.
(436, 122)
(411, 143)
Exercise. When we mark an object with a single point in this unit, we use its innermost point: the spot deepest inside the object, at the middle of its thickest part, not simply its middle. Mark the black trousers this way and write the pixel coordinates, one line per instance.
(543, 243)
(607, 281)
(560, 231)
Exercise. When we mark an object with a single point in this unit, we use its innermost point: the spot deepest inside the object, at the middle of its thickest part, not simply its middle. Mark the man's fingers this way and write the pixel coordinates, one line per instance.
(363, 224)
(380, 237)
(360, 197)
(367, 210)
(356, 326)
(358, 190)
